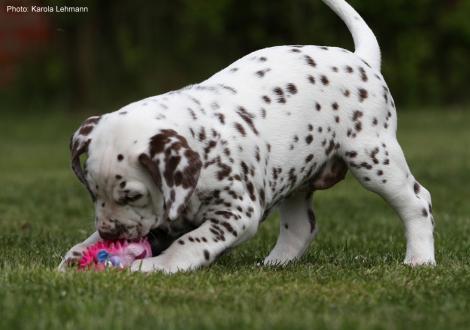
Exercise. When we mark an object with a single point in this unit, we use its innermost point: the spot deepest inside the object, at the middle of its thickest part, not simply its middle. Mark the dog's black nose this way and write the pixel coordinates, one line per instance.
(109, 236)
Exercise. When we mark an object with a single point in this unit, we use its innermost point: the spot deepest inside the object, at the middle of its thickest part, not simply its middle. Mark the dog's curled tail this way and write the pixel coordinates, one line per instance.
(365, 42)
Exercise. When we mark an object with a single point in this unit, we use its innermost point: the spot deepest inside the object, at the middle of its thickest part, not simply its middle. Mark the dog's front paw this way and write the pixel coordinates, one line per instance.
(72, 257)
(145, 266)
(140, 266)
(149, 265)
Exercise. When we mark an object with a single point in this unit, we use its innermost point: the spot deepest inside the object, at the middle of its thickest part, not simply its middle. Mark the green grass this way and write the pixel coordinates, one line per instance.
(351, 277)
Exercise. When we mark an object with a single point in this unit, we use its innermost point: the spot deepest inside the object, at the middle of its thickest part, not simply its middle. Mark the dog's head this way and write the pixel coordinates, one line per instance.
(137, 180)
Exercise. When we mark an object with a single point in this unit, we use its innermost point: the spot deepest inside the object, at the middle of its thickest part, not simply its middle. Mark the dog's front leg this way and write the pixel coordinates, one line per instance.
(221, 230)
(75, 253)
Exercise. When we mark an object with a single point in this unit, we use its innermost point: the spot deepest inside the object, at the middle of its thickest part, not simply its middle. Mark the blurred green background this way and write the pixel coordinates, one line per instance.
(55, 68)
(121, 51)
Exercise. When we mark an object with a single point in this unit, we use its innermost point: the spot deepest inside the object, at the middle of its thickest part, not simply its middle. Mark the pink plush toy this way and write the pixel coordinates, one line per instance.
(114, 254)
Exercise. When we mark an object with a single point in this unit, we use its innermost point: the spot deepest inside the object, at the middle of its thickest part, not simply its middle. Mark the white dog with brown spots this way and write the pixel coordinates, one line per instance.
(199, 169)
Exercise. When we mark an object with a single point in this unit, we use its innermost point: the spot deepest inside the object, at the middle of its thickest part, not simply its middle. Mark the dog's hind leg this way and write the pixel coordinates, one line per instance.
(297, 229)
(380, 165)
(298, 224)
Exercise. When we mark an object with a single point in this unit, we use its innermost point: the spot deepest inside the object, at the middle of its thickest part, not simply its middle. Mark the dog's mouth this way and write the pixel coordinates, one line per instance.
(133, 235)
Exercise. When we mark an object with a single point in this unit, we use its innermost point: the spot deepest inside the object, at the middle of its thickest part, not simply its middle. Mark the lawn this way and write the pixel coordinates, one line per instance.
(351, 278)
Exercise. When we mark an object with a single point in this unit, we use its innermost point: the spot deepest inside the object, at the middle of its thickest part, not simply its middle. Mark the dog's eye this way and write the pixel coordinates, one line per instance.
(133, 198)
(129, 198)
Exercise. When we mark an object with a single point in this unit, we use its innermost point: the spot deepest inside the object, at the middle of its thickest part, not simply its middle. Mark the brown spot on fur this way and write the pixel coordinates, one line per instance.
(356, 115)
(363, 74)
(278, 91)
(221, 118)
(362, 94)
(358, 126)
(425, 212)
(310, 61)
(416, 187)
(240, 129)
(85, 130)
(251, 191)
(266, 99)
(291, 88)
(247, 117)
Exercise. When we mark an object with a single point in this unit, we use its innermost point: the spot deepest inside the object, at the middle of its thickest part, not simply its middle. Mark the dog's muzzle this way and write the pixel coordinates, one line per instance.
(113, 233)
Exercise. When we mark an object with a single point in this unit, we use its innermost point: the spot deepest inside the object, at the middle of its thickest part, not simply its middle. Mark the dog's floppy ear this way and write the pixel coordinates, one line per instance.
(174, 167)
(79, 143)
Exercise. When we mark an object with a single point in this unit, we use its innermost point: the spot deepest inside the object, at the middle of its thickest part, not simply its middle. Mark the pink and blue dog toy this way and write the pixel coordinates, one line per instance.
(114, 254)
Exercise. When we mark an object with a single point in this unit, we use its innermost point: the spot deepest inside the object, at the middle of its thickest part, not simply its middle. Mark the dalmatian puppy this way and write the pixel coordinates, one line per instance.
(201, 167)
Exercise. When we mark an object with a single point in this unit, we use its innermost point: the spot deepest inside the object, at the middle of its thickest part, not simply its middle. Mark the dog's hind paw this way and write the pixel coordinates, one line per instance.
(419, 262)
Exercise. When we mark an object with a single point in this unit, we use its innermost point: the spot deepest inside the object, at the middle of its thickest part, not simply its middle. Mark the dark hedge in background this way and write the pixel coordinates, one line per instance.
(125, 50)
